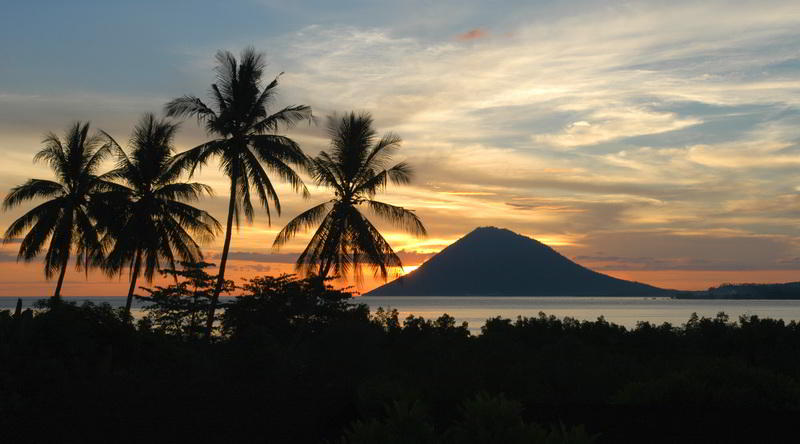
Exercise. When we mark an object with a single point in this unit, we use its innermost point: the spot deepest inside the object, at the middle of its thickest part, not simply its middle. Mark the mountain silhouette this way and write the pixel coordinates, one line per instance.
(493, 261)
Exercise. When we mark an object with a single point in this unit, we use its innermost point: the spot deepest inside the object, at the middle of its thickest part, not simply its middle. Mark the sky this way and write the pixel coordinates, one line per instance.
(653, 141)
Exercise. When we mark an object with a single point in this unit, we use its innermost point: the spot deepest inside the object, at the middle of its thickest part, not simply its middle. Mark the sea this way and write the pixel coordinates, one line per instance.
(625, 311)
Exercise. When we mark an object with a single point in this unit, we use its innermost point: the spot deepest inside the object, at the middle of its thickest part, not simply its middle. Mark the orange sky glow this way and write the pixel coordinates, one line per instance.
(641, 139)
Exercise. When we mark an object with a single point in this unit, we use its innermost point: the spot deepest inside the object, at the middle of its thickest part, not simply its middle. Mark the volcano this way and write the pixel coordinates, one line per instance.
(493, 261)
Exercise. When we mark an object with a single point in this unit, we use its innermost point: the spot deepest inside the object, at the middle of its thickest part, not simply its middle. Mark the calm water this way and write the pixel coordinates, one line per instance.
(475, 310)
(619, 310)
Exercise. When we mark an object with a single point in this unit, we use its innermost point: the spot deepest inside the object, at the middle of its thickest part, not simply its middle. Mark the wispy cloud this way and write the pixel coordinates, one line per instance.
(473, 34)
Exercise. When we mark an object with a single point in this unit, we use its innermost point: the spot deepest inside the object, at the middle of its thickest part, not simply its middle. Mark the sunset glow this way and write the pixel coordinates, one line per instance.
(652, 141)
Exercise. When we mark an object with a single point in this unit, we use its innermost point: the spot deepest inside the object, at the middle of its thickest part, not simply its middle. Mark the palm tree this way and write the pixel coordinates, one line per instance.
(65, 218)
(356, 170)
(148, 219)
(245, 141)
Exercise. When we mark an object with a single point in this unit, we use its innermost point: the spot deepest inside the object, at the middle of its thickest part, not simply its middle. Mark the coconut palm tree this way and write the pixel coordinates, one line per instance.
(356, 170)
(147, 218)
(65, 218)
(245, 141)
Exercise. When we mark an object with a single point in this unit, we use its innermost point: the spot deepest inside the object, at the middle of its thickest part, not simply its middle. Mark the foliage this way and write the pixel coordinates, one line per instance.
(404, 422)
(284, 305)
(320, 369)
(484, 419)
(181, 309)
(356, 169)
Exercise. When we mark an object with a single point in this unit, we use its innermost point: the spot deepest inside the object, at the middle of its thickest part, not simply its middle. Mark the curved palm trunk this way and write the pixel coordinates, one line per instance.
(223, 261)
(57, 294)
(137, 265)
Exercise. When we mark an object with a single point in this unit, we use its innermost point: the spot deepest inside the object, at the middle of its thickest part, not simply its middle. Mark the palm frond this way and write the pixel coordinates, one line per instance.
(96, 152)
(325, 173)
(60, 247)
(189, 106)
(382, 151)
(261, 182)
(183, 191)
(399, 217)
(197, 157)
(287, 174)
(323, 244)
(201, 223)
(53, 154)
(32, 189)
(378, 254)
(280, 147)
(288, 117)
(400, 174)
(90, 251)
(302, 222)
(244, 203)
(46, 213)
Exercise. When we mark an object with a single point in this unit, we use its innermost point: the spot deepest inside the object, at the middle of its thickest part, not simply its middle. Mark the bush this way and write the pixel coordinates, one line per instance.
(285, 306)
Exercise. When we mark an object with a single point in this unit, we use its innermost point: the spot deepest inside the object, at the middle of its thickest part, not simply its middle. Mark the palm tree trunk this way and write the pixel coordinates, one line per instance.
(223, 261)
(57, 294)
(137, 264)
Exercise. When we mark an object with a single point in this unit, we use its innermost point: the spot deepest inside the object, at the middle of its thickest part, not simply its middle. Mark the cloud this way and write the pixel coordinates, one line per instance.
(703, 250)
(547, 208)
(413, 257)
(468, 193)
(652, 263)
(585, 124)
(472, 34)
(279, 258)
(251, 267)
(7, 257)
(615, 123)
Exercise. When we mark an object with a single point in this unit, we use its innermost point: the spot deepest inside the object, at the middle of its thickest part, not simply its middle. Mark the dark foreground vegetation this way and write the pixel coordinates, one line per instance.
(296, 361)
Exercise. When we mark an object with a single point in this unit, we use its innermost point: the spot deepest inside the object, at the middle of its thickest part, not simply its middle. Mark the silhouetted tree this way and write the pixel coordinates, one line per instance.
(180, 309)
(148, 219)
(245, 140)
(356, 170)
(66, 217)
(285, 305)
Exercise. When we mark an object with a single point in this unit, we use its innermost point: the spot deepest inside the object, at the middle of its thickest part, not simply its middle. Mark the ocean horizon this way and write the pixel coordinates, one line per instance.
(475, 310)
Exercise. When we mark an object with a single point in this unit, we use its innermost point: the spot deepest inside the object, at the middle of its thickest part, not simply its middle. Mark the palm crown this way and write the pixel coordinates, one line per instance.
(66, 217)
(245, 128)
(356, 169)
(148, 219)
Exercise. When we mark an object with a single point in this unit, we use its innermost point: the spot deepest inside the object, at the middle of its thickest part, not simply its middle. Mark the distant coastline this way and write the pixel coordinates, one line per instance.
(786, 291)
